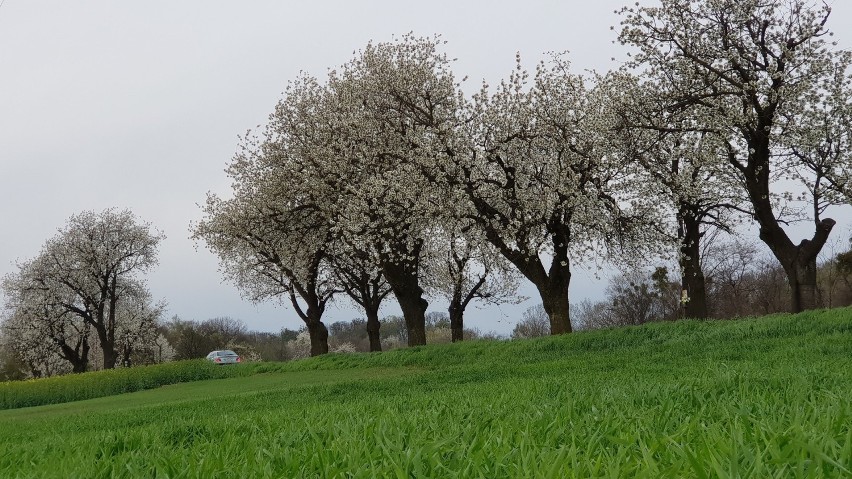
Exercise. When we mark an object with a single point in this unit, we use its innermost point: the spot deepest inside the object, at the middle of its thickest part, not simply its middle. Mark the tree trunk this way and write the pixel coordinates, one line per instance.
(319, 337)
(554, 298)
(456, 311)
(79, 357)
(799, 262)
(552, 286)
(557, 307)
(110, 355)
(414, 311)
(801, 276)
(373, 325)
(79, 366)
(405, 285)
(692, 277)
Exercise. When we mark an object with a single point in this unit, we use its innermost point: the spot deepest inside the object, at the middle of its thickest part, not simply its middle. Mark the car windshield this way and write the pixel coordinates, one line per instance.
(227, 353)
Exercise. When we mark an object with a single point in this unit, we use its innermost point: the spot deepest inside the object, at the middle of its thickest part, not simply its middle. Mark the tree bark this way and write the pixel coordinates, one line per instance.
(798, 261)
(801, 273)
(319, 337)
(312, 315)
(110, 357)
(373, 325)
(106, 324)
(692, 276)
(552, 284)
(78, 356)
(456, 311)
(405, 285)
(79, 366)
(554, 298)
(414, 311)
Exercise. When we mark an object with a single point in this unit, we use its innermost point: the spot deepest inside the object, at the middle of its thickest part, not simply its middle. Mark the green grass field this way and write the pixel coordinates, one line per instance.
(770, 397)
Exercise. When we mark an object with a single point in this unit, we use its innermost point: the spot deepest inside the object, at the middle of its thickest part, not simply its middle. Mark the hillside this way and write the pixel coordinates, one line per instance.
(766, 397)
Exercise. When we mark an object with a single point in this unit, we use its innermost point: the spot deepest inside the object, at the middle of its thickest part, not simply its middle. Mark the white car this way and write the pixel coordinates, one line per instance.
(225, 356)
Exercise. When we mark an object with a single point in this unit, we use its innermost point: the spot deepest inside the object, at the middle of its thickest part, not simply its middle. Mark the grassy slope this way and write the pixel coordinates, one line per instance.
(760, 398)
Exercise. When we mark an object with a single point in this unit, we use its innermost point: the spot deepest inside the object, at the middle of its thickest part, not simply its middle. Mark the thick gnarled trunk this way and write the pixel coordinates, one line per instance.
(110, 355)
(318, 334)
(552, 284)
(405, 285)
(804, 290)
(78, 355)
(554, 298)
(414, 311)
(798, 261)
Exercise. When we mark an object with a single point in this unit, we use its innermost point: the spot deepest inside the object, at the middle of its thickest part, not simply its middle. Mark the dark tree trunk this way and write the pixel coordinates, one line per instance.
(106, 326)
(79, 366)
(801, 273)
(553, 289)
(312, 315)
(552, 284)
(319, 337)
(373, 325)
(692, 277)
(456, 311)
(805, 295)
(414, 311)
(110, 356)
(554, 298)
(798, 261)
(405, 285)
(78, 356)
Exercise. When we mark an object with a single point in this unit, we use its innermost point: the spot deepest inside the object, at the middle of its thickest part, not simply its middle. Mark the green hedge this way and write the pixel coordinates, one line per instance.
(74, 387)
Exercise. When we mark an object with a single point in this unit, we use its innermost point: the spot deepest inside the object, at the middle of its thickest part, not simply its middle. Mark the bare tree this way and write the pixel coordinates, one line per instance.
(534, 323)
(743, 281)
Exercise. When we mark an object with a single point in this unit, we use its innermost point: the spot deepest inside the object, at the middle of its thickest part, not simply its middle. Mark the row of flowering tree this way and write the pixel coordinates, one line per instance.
(385, 177)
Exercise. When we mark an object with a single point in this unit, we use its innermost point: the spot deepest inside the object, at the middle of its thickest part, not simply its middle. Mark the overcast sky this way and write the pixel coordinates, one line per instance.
(138, 105)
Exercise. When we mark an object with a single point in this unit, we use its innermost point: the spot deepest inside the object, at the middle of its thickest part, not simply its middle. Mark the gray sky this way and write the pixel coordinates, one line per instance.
(138, 105)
